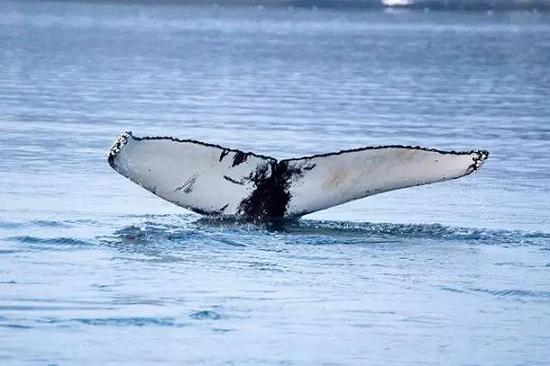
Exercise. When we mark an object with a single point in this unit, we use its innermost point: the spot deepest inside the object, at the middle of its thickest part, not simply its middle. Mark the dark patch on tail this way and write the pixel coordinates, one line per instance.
(271, 196)
(188, 185)
(239, 158)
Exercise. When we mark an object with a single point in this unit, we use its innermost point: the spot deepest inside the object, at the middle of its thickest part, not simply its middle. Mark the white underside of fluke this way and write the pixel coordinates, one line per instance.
(213, 180)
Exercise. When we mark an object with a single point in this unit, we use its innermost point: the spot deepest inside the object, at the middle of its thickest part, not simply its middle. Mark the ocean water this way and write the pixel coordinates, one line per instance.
(95, 270)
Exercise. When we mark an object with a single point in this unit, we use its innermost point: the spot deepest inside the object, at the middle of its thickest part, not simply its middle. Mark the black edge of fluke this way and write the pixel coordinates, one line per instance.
(241, 156)
(380, 147)
(191, 141)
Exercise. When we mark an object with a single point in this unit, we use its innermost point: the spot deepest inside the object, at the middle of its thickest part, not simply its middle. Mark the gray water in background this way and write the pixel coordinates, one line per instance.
(95, 270)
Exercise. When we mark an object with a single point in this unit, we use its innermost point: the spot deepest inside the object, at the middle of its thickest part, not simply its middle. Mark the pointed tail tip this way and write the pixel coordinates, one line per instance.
(121, 140)
(479, 157)
(484, 154)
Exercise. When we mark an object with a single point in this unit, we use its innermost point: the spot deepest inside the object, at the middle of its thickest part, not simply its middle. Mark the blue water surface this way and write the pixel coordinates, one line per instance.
(95, 270)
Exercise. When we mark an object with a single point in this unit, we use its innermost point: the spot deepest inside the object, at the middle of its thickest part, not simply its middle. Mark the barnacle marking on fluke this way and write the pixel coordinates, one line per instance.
(481, 156)
(117, 146)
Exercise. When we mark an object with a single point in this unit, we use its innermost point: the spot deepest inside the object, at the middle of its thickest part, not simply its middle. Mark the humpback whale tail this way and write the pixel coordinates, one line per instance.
(213, 180)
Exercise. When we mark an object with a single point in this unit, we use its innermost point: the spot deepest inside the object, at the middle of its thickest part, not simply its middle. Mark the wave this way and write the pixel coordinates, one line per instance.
(224, 232)
(156, 231)
(205, 315)
(128, 321)
(135, 321)
(420, 231)
(515, 294)
(63, 241)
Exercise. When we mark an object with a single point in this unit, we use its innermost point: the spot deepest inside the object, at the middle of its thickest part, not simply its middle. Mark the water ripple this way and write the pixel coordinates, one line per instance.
(236, 233)
(50, 241)
(113, 321)
(206, 315)
(514, 293)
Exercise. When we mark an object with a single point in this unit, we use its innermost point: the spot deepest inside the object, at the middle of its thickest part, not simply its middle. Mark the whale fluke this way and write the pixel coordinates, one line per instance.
(213, 180)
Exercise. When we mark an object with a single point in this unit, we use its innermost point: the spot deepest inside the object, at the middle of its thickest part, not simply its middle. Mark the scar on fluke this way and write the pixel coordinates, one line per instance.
(188, 185)
(223, 154)
(309, 166)
(233, 180)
